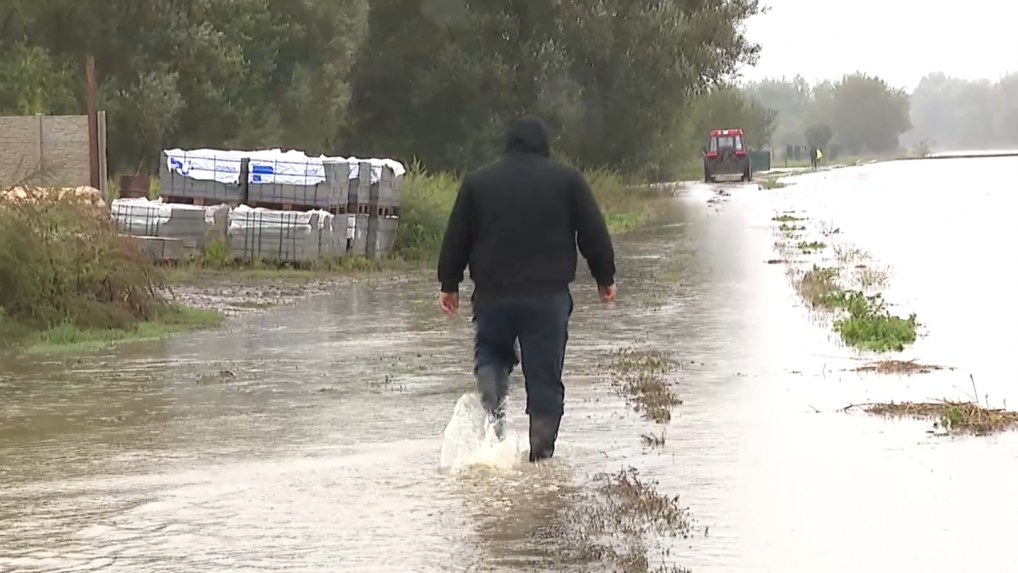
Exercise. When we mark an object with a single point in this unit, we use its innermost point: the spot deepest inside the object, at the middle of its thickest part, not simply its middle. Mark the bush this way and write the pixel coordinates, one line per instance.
(428, 199)
(62, 262)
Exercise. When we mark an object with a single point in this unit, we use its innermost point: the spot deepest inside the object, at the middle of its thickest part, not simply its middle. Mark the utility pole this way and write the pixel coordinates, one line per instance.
(93, 123)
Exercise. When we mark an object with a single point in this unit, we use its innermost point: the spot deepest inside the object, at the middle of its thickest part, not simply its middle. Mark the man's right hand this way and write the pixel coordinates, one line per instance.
(607, 293)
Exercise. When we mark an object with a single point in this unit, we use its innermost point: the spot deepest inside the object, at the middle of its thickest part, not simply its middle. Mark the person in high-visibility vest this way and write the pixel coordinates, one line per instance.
(820, 155)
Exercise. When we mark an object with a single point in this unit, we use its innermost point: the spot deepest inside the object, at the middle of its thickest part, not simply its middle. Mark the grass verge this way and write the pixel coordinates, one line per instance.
(69, 338)
(205, 270)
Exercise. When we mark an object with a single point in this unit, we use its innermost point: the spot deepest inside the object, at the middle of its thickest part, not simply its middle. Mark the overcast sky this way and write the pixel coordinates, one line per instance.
(899, 40)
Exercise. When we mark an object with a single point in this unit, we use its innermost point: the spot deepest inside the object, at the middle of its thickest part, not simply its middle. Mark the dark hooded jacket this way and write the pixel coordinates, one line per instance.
(518, 223)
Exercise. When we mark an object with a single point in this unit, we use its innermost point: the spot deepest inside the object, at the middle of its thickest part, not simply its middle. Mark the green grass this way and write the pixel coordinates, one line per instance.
(67, 338)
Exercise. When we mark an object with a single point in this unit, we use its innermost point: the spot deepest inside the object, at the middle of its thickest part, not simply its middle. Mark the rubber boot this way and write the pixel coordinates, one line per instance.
(543, 434)
(493, 384)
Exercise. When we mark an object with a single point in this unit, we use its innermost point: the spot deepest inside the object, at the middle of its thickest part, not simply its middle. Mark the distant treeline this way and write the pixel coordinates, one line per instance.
(860, 114)
(864, 115)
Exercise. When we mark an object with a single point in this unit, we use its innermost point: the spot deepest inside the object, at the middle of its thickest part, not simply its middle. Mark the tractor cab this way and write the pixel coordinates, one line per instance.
(726, 155)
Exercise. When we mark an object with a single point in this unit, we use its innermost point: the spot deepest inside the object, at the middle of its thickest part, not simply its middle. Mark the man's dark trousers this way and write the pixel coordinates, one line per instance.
(541, 323)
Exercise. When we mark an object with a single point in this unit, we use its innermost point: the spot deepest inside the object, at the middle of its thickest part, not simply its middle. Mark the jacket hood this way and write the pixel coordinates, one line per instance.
(528, 135)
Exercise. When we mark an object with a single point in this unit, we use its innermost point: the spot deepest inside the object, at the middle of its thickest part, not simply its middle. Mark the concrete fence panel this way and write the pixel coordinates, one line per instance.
(44, 150)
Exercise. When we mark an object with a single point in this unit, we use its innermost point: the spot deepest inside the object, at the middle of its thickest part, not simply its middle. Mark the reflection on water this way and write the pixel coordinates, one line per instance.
(326, 451)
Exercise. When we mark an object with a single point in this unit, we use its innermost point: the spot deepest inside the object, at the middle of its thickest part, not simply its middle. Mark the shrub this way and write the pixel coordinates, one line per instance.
(428, 199)
(62, 262)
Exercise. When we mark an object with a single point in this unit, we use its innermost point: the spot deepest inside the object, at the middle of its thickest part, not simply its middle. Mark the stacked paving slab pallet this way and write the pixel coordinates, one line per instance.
(169, 232)
(285, 236)
(326, 195)
(363, 196)
(175, 187)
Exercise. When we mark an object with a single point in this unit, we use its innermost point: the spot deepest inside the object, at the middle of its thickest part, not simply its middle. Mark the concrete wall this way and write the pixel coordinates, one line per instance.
(54, 146)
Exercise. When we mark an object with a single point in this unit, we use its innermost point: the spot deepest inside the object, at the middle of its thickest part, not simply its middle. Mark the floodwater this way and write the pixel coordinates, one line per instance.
(334, 436)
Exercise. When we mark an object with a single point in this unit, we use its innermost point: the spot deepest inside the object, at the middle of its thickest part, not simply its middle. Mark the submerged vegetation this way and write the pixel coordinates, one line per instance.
(948, 416)
(811, 246)
(870, 326)
(906, 367)
(612, 524)
(862, 320)
(639, 377)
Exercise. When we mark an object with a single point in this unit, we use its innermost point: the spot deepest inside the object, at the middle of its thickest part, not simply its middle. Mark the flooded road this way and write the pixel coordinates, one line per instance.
(311, 438)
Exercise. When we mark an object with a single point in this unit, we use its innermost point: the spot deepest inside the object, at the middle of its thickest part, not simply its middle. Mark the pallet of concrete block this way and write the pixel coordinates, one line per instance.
(208, 175)
(165, 249)
(381, 236)
(380, 187)
(293, 178)
(285, 236)
(190, 223)
(372, 237)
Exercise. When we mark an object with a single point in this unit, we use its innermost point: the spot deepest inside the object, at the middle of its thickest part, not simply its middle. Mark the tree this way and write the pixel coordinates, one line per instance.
(617, 77)
(187, 72)
(868, 115)
(819, 135)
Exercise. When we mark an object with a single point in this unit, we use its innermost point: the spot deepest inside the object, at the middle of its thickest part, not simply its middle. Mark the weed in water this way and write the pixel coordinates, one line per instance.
(653, 440)
(818, 286)
(786, 228)
(869, 278)
(905, 367)
(786, 218)
(216, 378)
(638, 376)
(849, 254)
(869, 326)
(612, 524)
(948, 416)
(827, 228)
(811, 246)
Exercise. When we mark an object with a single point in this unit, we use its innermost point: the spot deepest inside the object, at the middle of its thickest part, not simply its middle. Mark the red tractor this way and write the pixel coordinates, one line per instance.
(726, 155)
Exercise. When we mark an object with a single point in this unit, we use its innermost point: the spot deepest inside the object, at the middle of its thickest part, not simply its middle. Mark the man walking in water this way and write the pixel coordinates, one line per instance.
(517, 224)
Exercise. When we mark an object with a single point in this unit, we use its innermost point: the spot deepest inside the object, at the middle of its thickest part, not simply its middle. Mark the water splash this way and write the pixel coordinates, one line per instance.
(470, 440)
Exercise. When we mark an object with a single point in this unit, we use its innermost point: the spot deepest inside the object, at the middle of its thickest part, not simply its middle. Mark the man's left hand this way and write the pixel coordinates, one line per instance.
(449, 302)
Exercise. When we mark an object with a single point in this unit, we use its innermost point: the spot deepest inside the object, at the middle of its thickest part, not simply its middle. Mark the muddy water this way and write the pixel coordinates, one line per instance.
(312, 438)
